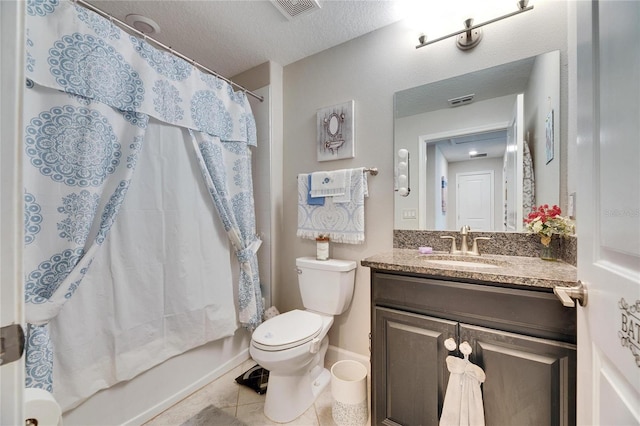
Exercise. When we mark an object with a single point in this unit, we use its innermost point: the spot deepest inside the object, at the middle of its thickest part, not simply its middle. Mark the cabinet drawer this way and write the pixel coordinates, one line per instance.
(535, 313)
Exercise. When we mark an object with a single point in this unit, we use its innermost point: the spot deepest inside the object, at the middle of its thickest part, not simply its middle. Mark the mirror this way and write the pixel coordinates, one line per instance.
(486, 147)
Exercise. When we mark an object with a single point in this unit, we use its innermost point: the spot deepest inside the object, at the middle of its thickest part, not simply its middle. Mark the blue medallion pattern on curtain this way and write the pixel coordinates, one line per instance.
(32, 218)
(88, 66)
(234, 202)
(75, 167)
(90, 93)
(101, 27)
(79, 52)
(76, 146)
(79, 208)
(164, 63)
(167, 101)
(41, 7)
(39, 358)
(210, 115)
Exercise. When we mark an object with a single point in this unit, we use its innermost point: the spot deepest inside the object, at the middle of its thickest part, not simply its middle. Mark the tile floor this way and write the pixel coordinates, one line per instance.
(241, 402)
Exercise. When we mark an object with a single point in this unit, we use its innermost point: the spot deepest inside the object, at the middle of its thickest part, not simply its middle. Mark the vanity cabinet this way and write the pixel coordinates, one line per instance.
(524, 340)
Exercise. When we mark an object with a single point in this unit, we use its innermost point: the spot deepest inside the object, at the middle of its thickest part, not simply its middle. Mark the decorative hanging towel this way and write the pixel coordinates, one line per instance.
(463, 400)
(342, 220)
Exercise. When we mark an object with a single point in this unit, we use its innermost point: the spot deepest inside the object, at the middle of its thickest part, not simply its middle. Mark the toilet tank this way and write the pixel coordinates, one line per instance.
(326, 285)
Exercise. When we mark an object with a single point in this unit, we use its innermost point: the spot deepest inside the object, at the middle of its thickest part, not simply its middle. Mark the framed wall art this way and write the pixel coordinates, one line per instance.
(335, 139)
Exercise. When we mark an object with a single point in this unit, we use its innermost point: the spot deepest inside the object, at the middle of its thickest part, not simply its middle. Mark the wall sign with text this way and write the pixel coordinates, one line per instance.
(630, 327)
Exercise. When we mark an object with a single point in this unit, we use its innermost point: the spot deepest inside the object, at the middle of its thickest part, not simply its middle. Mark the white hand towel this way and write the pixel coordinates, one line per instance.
(346, 197)
(463, 400)
(329, 184)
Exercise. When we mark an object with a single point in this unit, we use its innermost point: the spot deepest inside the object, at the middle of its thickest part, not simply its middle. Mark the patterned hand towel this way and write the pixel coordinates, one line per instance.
(343, 222)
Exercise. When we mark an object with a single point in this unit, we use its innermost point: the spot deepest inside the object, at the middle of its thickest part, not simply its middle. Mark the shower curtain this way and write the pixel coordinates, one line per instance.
(108, 117)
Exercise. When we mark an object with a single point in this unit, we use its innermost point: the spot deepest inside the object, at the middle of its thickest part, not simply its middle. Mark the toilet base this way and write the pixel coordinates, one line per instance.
(291, 393)
(291, 396)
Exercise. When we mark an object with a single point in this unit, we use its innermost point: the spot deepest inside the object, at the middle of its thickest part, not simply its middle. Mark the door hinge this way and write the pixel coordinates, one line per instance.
(11, 343)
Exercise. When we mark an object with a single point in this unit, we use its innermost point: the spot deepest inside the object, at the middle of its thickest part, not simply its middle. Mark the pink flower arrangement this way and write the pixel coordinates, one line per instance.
(546, 222)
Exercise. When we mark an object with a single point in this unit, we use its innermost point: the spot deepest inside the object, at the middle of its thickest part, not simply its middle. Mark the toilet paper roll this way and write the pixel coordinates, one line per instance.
(42, 406)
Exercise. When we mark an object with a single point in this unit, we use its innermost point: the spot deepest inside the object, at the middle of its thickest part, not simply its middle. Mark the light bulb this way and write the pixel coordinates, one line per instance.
(403, 191)
(403, 153)
(402, 180)
(402, 167)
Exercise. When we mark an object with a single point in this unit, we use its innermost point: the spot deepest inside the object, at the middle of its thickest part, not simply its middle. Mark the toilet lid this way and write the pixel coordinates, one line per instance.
(287, 330)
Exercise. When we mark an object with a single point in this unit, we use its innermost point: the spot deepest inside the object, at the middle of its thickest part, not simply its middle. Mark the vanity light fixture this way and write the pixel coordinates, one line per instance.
(470, 36)
(403, 178)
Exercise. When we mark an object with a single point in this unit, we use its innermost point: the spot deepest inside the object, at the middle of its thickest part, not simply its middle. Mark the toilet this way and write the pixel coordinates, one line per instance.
(292, 345)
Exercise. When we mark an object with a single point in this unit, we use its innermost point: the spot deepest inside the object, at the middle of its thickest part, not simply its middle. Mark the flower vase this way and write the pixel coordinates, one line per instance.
(550, 251)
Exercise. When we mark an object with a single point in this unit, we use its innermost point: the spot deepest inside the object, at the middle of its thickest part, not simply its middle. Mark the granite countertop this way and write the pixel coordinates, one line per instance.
(516, 270)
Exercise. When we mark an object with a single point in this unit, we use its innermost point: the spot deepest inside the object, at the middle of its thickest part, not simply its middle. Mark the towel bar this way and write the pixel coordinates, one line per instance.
(373, 171)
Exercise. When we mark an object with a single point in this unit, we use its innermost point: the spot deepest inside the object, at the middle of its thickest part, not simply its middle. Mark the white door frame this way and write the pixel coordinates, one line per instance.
(12, 83)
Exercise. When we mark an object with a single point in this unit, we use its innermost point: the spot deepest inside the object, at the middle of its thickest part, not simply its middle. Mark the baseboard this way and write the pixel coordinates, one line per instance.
(188, 390)
(335, 354)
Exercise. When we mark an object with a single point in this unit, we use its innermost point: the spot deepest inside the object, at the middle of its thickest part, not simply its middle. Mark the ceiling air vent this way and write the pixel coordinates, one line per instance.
(295, 8)
(461, 100)
(478, 155)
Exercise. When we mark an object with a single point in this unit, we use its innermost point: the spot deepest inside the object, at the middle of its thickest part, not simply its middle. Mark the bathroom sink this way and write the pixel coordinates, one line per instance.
(464, 261)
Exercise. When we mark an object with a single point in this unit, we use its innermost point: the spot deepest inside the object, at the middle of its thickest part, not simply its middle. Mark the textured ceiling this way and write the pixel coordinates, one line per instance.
(232, 36)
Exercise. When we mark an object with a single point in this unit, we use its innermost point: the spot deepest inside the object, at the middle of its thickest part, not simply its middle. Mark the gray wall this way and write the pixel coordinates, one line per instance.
(369, 70)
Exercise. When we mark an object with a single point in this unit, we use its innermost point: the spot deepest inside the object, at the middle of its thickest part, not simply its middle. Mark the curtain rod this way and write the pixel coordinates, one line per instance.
(165, 47)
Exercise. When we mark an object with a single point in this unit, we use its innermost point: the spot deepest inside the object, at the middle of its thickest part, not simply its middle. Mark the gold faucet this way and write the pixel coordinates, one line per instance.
(464, 232)
(475, 251)
(464, 245)
(454, 249)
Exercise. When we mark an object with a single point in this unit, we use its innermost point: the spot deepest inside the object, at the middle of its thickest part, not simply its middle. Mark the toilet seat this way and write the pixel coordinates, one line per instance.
(288, 330)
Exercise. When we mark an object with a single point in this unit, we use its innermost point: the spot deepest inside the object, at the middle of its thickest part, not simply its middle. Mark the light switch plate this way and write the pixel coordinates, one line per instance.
(409, 214)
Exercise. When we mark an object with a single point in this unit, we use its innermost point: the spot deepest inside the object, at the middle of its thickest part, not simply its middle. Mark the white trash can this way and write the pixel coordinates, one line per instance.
(349, 390)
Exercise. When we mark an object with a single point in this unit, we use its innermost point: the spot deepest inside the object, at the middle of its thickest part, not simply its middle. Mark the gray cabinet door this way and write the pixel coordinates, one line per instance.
(530, 381)
(408, 367)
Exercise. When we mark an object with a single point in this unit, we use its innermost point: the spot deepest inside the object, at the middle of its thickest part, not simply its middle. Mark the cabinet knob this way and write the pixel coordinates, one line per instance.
(465, 348)
(450, 344)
